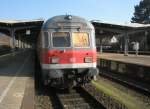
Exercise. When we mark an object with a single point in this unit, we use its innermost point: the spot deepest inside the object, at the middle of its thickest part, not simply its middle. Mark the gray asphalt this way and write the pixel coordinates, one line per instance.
(14, 73)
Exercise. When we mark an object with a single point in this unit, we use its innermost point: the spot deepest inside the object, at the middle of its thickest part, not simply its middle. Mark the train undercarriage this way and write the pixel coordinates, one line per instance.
(67, 78)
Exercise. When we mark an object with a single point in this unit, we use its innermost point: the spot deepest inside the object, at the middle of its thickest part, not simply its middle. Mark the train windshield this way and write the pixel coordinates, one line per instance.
(80, 39)
(61, 39)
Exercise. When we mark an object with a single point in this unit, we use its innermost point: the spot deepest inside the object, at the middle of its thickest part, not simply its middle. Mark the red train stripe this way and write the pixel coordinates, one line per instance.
(67, 56)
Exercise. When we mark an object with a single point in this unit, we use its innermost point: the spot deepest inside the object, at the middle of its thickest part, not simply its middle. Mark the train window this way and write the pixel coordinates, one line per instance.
(46, 39)
(61, 39)
(80, 39)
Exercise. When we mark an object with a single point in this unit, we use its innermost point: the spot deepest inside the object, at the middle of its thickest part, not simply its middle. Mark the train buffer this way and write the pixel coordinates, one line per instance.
(15, 74)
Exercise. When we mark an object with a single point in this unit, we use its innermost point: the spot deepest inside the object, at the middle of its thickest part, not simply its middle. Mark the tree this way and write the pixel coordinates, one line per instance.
(142, 15)
(142, 12)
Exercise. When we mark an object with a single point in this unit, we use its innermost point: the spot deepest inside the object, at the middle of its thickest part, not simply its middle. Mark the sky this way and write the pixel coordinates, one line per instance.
(103, 10)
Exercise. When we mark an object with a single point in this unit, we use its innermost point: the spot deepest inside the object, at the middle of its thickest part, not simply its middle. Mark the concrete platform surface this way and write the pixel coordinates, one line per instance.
(142, 60)
(14, 73)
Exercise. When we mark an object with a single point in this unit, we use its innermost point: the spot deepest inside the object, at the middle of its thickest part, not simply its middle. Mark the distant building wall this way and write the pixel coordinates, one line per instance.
(4, 41)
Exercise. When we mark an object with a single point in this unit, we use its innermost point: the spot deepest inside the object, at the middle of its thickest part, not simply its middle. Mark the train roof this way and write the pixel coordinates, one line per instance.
(67, 20)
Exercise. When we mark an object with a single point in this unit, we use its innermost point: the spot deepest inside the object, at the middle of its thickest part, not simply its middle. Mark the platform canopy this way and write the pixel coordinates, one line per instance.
(105, 30)
(8, 25)
(19, 29)
(120, 28)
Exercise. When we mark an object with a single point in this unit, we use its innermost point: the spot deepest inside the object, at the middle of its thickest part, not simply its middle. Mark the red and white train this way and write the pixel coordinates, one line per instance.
(67, 51)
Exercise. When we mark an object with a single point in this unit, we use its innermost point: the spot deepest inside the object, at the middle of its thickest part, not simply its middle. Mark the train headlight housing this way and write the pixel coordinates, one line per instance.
(88, 59)
(54, 60)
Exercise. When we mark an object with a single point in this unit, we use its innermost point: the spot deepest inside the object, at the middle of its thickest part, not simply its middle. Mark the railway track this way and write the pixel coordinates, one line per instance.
(50, 98)
(47, 101)
(138, 86)
(76, 98)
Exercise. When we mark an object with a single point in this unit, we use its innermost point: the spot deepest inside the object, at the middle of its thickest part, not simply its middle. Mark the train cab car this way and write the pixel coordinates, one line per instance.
(67, 52)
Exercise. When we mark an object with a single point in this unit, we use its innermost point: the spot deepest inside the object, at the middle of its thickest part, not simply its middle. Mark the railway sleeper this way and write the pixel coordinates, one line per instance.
(69, 96)
(79, 106)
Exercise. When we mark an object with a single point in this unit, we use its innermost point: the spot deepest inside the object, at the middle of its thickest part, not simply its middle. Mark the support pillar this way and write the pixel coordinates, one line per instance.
(19, 42)
(101, 46)
(126, 39)
(23, 44)
(12, 40)
(146, 44)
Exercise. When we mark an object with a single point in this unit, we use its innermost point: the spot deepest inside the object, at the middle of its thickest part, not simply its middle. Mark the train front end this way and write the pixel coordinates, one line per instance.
(68, 51)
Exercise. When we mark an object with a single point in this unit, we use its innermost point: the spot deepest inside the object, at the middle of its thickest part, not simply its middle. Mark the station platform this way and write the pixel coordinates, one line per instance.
(15, 70)
(142, 60)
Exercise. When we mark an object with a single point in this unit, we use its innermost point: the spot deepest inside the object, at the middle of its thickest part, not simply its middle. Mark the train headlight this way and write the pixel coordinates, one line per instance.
(54, 60)
(88, 59)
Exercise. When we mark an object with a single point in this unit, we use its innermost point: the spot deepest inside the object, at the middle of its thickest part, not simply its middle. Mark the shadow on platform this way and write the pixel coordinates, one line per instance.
(20, 64)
